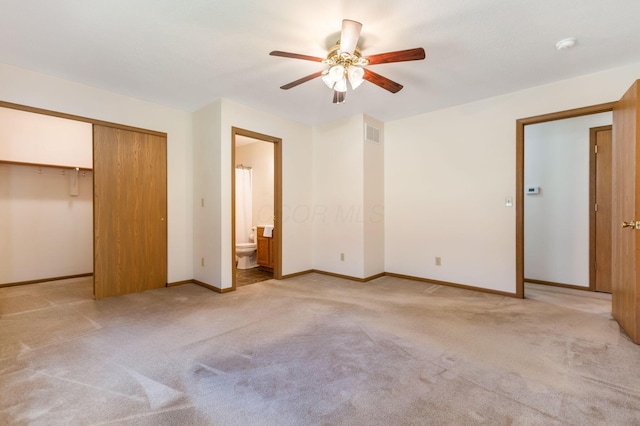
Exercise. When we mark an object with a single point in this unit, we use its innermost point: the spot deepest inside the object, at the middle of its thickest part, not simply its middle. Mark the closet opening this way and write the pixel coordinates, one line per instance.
(70, 209)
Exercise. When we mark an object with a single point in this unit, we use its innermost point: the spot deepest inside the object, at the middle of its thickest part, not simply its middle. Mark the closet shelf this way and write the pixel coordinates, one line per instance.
(52, 166)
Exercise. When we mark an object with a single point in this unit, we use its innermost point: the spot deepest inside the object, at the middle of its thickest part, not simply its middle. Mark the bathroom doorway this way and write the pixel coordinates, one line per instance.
(256, 207)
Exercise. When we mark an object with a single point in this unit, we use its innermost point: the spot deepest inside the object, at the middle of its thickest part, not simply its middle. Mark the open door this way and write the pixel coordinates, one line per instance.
(626, 214)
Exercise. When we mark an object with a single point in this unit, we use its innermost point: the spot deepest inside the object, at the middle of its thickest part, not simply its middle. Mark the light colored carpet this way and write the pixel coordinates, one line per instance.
(313, 350)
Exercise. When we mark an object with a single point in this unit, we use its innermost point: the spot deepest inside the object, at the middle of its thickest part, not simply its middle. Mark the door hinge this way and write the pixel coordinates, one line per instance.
(595, 149)
(595, 207)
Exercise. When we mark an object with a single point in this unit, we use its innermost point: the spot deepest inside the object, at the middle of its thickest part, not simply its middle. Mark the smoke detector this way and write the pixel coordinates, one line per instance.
(566, 43)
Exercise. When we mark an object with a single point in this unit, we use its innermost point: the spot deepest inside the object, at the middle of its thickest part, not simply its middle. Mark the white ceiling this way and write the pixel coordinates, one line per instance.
(188, 53)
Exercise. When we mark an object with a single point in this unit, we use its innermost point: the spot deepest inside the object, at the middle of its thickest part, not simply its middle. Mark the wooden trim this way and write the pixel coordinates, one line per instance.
(345, 277)
(277, 208)
(456, 285)
(375, 277)
(520, 123)
(570, 113)
(593, 138)
(179, 283)
(42, 111)
(234, 269)
(297, 274)
(214, 288)
(44, 280)
(577, 287)
(50, 166)
(349, 277)
(277, 198)
(592, 203)
(520, 209)
(201, 284)
(406, 277)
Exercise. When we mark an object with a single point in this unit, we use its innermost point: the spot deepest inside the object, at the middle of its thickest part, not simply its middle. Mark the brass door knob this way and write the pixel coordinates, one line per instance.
(629, 224)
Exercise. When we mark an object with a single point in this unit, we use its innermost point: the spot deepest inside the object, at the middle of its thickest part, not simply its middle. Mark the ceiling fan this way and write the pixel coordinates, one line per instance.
(347, 64)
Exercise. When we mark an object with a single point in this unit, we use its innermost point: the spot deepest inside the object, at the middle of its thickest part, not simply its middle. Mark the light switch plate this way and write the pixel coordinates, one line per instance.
(508, 201)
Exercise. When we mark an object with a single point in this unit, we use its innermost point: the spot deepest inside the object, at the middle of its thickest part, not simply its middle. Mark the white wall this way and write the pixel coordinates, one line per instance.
(207, 177)
(212, 128)
(27, 137)
(348, 197)
(259, 156)
(447, 174)
(338, 197)
(373, 195)
(556, 231)
(46, 232)
(38, 90)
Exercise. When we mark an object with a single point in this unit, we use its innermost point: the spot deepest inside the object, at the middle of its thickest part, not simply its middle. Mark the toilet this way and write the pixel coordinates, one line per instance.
(246, 252)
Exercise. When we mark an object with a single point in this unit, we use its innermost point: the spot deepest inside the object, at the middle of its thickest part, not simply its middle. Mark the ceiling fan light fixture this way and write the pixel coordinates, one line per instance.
(341, 85)
(336, 73)
(356, 76)
(328, 81)
(345, 65)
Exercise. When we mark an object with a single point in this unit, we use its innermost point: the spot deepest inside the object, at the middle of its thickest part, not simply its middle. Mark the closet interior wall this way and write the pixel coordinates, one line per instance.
(46, 192)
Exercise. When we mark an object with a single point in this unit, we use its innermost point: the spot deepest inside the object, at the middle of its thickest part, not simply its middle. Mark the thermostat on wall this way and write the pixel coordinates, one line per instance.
(532, 190)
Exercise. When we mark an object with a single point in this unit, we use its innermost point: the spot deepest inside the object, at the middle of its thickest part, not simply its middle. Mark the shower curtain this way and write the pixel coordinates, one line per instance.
(244, 220)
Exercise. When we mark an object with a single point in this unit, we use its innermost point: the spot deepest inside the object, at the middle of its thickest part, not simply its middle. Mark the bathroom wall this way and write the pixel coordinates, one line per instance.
(259, 156)
(556, 220)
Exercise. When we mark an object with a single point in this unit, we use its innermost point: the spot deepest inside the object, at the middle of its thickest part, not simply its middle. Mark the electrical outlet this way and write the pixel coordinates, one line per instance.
(202, 261)
(342, 257)
(438, 261)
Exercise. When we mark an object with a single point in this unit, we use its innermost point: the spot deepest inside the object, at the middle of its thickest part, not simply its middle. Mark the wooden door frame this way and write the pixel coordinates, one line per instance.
(593, 132)
(277, 198)
(520, 124)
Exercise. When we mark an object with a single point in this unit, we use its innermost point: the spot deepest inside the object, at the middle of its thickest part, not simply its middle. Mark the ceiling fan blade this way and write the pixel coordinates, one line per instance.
(339, 97)
(381, 81)
(349, 36)
(398, 56)
(301, 80)
(296, 56)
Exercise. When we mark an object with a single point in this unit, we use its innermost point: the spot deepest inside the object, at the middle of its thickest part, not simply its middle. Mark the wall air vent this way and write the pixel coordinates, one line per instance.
(371, 134)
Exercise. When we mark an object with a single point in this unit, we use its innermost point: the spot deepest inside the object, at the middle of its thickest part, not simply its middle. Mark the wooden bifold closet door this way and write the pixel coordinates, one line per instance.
(130, 210)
